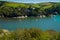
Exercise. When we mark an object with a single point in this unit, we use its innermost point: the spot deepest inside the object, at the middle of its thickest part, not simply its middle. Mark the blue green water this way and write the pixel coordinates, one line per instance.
(47, 23)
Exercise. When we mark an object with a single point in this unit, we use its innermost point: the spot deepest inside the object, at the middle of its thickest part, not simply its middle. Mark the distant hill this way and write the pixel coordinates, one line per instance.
(10, 9)
(15, 4)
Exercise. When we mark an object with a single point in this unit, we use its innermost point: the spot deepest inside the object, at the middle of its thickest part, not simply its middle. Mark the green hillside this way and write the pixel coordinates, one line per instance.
(13, 9)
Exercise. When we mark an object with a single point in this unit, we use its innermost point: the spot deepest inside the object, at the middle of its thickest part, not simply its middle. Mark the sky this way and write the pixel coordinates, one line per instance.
(32, 1)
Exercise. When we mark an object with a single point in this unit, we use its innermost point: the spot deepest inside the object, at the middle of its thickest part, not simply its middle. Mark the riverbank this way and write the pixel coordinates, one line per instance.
(31, 34)
(40, 16)
(22, 10)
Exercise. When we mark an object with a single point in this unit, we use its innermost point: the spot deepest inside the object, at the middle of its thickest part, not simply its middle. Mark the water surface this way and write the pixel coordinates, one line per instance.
(42, 23)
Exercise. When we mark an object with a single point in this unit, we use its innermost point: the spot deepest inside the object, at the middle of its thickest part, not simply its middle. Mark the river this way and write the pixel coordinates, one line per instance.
(48, 23)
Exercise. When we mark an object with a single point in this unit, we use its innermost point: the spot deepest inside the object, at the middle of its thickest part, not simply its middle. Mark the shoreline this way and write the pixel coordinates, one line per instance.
(41, 16)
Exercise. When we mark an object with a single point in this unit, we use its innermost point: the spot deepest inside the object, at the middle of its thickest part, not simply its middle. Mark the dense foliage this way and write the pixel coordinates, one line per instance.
(29, 34)
(11, 9)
